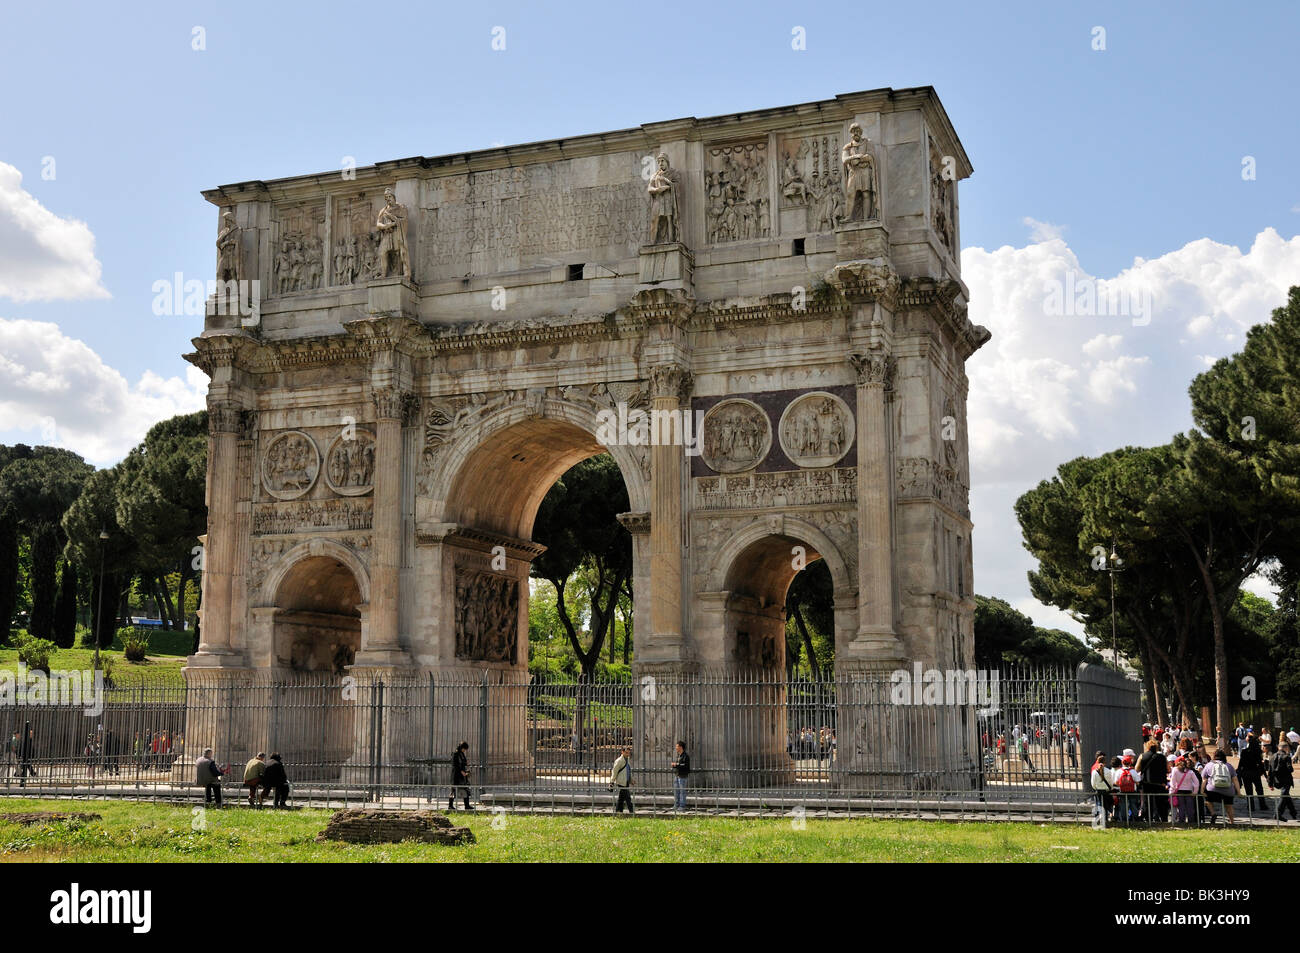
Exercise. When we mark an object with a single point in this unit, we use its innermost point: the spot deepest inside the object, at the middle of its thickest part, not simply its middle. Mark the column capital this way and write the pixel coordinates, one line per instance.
(671, 382)
(226, 416)
(392, 403)
(874, 368)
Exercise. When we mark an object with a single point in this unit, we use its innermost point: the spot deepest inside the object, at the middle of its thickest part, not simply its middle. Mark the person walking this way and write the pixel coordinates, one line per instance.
(459, 775)
(11, 754)
(681, 771)
(1127, 782)
(1280, 777)
(620, 779)
(1184, 786)
(1220, 786)
(26, 754)
(275, 780)
(1250, 769)
(253, 772)
(1293, 739)
(208, 774)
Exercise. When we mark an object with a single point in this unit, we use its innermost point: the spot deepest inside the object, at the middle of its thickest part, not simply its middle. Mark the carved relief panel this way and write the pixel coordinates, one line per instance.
(487, 616)
(354, 240)
(299, 262)
(737, 436)
(290, 465)
(812, 189)
(816, 430)
(350, 464)
(943, 212)
(737, 202)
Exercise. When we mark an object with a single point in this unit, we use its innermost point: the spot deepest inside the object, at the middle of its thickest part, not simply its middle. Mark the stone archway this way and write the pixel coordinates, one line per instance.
(317, 623)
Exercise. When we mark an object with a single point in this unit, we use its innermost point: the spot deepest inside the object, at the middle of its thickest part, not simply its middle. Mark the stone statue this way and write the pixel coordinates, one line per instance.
(393, 256)
(663, 205)
(229, 248)
(859, 177)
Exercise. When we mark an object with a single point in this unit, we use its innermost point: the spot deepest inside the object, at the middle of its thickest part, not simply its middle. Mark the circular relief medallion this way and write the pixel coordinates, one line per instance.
(816, 430)
(350, 464)
(737, 436)
(290, 465)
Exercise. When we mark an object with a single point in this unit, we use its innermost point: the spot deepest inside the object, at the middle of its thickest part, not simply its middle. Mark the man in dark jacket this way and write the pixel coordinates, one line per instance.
(1280, 777)
(275, 779)
(681, 771)
(208, 774)
(459, 775)
(1154, 769)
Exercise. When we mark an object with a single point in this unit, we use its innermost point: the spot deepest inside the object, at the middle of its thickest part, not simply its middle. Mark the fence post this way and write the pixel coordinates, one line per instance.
(482, 734)
(432, 728)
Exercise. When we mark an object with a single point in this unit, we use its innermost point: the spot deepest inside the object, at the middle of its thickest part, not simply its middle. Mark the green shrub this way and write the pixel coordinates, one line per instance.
(135, 647)
(35, 653)
(161, 641)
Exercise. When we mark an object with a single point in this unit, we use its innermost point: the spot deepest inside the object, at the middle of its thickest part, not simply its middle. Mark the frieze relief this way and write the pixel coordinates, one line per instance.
(811, 180)
(299, 263)
(306, 516)
(816, 430)
(920, 478)
(736, 196)
(782, 488)
(942, 205)
(355, 239)
(487, 616)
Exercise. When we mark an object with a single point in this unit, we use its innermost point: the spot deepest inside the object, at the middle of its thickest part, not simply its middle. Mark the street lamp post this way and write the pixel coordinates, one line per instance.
(99, 611)
(1113, 565)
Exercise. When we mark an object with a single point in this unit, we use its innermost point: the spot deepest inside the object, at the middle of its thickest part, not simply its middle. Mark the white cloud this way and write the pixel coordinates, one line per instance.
(56, 390)
(1050, 386)
(1043, 231)
(43, 257)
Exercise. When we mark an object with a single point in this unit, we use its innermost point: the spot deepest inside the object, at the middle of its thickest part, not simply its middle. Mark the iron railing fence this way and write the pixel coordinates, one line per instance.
(754, 738)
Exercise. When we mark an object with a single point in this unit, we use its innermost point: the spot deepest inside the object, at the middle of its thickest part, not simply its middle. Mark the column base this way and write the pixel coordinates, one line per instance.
(382, 657)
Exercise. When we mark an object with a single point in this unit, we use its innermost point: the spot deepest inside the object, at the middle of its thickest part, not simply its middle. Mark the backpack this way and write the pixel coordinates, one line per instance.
(1221, 775)
(1125, 781)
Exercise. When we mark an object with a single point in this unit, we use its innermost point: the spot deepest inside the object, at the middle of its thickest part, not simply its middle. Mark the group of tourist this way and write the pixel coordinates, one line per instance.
(620, 778)
(812, 743)
(261, 777)
(1176, 780)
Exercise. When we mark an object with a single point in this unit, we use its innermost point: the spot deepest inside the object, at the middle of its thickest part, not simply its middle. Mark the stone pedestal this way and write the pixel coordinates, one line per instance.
(668, 265)
(862, 241)
(392, 296)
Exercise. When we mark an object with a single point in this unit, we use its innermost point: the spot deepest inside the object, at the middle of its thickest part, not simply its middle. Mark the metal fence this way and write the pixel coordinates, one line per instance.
(757, 741)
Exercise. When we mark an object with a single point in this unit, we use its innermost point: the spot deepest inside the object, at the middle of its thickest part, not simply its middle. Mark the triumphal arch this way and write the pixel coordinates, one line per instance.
(773, 297)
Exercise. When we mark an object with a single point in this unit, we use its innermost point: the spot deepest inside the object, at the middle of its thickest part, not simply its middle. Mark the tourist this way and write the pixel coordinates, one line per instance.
(681, 771)
(11, 754)
(275, 779)
(459, 775)
(1184, 786)
(621, 778)
(253, 772)
(1250, 768)
(209, 775)
(1101, 789)
(1220, 786)
(1280, 777)
(1127, 782)
(1023, 744)
(1293, 738)
(26, 754)
(1154, 770)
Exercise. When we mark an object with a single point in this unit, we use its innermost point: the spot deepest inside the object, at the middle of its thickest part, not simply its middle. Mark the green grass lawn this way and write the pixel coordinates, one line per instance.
(160, 670)
(144, 833)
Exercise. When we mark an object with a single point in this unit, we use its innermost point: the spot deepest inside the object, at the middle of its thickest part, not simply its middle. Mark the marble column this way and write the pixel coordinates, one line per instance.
(875, 511)
(225, 421)
(669, 384)
(386, 526)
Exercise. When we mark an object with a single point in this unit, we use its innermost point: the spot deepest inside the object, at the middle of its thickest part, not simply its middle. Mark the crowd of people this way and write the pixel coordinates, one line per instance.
(1176, 780)
(808, 743)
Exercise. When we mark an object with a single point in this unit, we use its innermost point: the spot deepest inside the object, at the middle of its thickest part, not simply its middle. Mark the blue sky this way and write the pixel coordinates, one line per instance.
(1134, 151)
